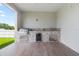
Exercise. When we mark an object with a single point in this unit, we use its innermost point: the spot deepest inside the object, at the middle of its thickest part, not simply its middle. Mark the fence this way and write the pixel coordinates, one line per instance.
(7, 33)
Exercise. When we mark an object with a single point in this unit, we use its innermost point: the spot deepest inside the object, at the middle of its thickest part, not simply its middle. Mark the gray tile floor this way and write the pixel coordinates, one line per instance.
(38, 49)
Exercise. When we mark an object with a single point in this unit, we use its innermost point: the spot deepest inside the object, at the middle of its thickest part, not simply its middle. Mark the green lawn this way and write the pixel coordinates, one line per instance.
(6, 41)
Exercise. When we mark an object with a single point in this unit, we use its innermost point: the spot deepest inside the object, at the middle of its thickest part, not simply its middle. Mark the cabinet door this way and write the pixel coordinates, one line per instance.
(45, 36)
(32, 36)
(54, 35)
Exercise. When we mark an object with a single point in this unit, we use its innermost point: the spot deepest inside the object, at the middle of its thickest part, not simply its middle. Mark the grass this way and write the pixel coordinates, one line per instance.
(6, 41)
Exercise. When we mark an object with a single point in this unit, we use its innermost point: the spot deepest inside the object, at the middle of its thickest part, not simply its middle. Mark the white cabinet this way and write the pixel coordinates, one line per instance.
(45, 36)
(54, 35)
(32, 36)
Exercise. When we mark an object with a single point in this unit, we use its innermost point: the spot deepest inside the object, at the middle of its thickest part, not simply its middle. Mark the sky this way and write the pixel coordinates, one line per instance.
(7, 15)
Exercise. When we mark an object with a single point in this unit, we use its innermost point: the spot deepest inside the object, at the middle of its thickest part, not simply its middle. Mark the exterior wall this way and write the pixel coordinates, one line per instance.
(68, 21)
(44, 20)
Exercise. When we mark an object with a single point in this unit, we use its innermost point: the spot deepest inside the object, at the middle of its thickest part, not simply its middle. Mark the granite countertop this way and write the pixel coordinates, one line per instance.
(43, 29)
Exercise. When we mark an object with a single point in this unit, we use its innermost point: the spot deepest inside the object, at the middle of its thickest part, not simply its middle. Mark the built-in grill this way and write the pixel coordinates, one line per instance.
(38, 37)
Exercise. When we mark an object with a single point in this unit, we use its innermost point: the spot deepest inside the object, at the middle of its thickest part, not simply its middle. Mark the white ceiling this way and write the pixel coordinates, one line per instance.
(39, 7)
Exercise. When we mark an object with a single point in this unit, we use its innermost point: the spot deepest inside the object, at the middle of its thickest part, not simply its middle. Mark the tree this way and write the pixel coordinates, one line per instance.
(6, 26)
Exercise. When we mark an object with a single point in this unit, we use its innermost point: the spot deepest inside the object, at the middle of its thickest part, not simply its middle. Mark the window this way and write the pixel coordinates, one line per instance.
(7, 18)
(7, 21)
